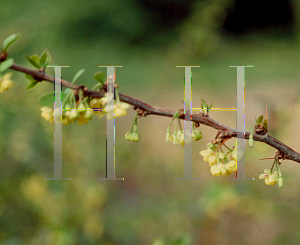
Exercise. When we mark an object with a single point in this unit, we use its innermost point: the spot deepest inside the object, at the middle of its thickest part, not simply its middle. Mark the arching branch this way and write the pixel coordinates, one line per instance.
(200, 118)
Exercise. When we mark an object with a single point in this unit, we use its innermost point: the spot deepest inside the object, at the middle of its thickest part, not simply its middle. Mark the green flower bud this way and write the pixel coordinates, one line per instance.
(168, 136)
(210, 146)
(175, 139)
(197, 135)
(280, 182)
(128, 136)
(251, 140)
(135, 137)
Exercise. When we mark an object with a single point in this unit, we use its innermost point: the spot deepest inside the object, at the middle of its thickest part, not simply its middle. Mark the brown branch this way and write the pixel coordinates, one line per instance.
(200, 118)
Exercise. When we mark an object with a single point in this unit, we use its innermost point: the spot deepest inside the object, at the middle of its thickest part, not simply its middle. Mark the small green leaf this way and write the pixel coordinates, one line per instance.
(265, 124)
(97, 86)
(77, 75)
(100, 76)
(10, 40)
(32, 84)
(48, 59)
(34, 60)
(67, 91)
(43, 58)
(29, 77)
(4, 65)
(260, 119)
(211, 105)
(203, 104)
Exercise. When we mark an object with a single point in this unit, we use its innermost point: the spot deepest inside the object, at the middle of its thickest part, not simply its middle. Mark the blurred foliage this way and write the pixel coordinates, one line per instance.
(149, 38)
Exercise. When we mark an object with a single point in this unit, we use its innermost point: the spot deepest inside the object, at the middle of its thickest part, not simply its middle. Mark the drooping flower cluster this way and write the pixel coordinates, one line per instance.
(270, 177)
(67, 116)
(118, 110)
(133, 134)
(85, 111)
(178, 136)
(221, 163)
(5, 82)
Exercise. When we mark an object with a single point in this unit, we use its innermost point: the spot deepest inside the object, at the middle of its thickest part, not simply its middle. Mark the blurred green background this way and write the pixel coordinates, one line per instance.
(150, 38)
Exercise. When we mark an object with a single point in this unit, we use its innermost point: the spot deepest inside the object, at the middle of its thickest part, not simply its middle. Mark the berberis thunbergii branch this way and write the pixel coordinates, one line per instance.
(149, 109)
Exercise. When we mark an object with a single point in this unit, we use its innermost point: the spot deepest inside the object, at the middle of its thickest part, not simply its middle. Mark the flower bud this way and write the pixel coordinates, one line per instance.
(168, 136)
(135, 137)
(197, 135)
(210, 146)
(128, 136)
(280, 182)
(5, 82)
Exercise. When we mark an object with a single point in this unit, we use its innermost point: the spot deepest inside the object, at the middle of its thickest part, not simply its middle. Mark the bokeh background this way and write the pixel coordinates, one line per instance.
(150, 38)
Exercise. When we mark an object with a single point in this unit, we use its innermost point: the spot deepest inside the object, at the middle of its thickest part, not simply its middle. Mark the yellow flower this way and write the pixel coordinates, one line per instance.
(211, 157)
(231, 166)
(47, 113)
(72, 114)
(206, 154)
(222, 169)
(180, 137)
(270, 178)
(81, 119)
(218, 169)
(120, 110)
(237, 153)
(81, 108)
(6, 82)
(88, 114)
(65, 120)
(96, 103)
(215, 170)
(101, 113)
(99, 104)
